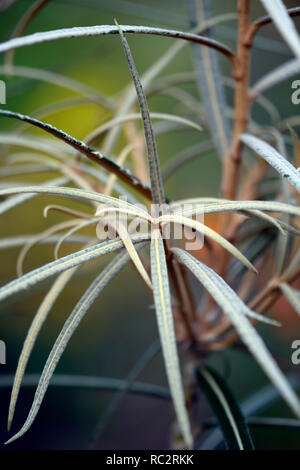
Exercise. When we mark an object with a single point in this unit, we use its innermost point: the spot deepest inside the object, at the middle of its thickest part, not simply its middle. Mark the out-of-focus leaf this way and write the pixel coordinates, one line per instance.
(226, 409)
(293, 295)
(210, 81)
(283, 72)
(59, 80)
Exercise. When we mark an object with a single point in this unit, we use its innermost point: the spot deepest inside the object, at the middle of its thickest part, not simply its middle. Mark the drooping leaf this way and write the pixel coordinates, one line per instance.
(12, 242)
(274, 158)
(283, 72)
(67, 331)
(211, 205)
(185, 156)
(15, 201)
(111, 29)
(136, 116)
(205, 230)
(248, 334)
(226, 409)
(36, 325)
(61, 81)
(71, 193)
(165, 322)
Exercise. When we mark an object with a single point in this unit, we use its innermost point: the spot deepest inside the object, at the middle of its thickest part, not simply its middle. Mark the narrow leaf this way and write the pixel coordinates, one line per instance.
(157, 188)
(177, 219)
(226, 409)
(32, 334)
(293, 295)
(274, 158)
(246, 331)
(211, 83)
(89, 31)
(165, 322)
(283, 23)
(62, 264)
(67, 331)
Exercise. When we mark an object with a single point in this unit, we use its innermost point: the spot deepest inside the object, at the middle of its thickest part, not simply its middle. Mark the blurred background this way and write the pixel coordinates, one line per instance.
(120, 326)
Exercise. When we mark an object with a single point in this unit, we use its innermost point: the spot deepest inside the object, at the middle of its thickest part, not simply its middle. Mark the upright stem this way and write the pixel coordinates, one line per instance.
(241, 77)
(231, 169)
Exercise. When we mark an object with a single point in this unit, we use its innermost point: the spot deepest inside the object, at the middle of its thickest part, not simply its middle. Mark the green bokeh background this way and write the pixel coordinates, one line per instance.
(121, 324)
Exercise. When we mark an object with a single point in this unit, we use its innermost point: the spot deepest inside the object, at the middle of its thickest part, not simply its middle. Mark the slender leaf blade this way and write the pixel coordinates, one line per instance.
(226, 409)
(67, 331)
(274, 158)
(165, 322)
(246, 331)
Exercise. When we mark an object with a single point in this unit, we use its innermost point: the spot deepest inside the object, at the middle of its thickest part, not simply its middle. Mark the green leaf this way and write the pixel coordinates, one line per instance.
(67, 331)
(161, 292)
(246, 331)
(226, 409)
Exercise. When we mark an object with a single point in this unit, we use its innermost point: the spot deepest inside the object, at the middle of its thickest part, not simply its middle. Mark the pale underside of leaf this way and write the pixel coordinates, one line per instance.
(67, 331)
(209, 233)
(283, 23)
(165, 322)
(246, 331)
(293, 295)
(36, 325)
(274, 158)
(62, 264)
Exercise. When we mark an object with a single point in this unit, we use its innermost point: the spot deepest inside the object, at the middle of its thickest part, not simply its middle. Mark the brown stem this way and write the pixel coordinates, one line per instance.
(232, 162)
(241, 77)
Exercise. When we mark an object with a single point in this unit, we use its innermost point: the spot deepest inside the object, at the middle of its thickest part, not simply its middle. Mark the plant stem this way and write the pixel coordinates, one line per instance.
(241, 77)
